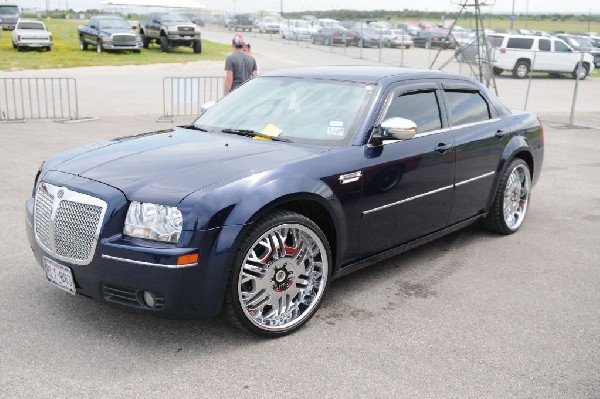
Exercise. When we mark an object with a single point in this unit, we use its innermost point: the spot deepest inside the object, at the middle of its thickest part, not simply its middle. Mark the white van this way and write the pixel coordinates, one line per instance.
(522, 54)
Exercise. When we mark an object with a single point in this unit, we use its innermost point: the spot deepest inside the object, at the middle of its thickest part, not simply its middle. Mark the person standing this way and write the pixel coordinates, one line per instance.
(239, 65)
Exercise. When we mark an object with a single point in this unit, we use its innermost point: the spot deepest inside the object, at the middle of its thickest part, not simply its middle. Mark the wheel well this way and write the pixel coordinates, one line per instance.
(319, 215)
(525, 60)
(525, 156)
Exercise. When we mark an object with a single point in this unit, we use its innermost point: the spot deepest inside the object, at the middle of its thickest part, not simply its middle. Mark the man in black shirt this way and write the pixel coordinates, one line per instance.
(239, 66)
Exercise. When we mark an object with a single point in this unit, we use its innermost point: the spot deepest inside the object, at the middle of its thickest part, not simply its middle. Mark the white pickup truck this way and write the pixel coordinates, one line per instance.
(31, 34)
(522, 54)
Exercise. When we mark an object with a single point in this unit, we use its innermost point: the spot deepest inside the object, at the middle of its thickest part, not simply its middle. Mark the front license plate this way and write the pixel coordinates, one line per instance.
(59, 275)
(187, 37)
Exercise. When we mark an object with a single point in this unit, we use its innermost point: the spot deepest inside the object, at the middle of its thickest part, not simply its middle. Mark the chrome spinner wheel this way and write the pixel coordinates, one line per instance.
(516, 196)
(282, 276)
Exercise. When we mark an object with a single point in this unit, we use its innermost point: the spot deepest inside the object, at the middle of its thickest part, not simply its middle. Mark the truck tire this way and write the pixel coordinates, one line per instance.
(83, 46)
(99, 46)
(145, 40)
(197, 47)
(164, 44)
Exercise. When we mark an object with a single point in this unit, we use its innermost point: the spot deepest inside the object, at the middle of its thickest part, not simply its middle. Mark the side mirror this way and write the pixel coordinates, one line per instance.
(394, 129)
(204, 107)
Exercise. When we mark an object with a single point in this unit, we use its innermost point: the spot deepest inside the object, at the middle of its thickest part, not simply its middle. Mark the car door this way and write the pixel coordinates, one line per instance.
(480, 136)
(407, 185)
(564, 57)
(543, 57)
(92, 33)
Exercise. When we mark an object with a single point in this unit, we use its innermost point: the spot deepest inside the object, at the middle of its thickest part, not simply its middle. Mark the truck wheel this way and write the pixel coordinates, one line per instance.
(137, 51)
(99, 46)
(164, 44)
(197, 47)
(14, 45)
(580, 71)
(145, 40)
(48, 48)
(521, 70)
(83, 46)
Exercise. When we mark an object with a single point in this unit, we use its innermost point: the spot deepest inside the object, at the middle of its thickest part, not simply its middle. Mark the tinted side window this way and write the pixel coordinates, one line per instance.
(544, 45)
(560, 46)
(495, 41)
(420, 107)
(467, 107)
(518, 42)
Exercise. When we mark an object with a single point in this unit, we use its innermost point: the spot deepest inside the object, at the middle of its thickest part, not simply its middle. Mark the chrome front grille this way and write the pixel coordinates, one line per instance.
(67, 223)
(185, 28)
(123, 39)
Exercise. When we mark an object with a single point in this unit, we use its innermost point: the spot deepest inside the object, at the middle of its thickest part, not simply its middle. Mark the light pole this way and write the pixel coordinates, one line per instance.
(281, 8)
(512, 15)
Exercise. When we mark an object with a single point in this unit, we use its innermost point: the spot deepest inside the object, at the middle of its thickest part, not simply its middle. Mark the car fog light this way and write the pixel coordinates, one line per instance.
(149, 299)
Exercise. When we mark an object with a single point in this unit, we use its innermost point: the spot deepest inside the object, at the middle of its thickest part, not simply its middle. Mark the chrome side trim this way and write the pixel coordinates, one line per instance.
(137, 262)
(474, 179)
(408, 199)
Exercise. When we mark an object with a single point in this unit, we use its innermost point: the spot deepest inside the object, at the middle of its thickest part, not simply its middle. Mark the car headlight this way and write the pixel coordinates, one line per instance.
(172, 28)
(153, 222)
(197, 29)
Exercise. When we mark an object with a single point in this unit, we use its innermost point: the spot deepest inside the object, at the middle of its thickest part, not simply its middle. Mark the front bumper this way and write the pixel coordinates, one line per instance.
(123, 268)
(113, 46)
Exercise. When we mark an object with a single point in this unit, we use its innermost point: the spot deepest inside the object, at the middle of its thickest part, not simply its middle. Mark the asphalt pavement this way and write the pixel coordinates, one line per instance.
(471, 315)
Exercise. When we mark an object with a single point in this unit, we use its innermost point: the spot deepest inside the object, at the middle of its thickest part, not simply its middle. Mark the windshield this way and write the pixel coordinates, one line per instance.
(174, 18)
(308, 111)
(31, 25)
(9, 10)
(113, 24)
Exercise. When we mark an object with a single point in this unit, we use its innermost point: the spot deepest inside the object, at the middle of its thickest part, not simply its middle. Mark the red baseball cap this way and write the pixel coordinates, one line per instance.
(238, 40)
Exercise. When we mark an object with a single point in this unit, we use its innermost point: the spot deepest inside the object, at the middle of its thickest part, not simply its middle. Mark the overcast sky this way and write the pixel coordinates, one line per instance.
(535, 6)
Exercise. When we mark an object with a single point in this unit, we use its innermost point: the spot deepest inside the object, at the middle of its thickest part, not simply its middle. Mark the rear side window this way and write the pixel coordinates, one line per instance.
(467, 107)
(544, 45)
(421, 107)
(520, 43)
(495, 41)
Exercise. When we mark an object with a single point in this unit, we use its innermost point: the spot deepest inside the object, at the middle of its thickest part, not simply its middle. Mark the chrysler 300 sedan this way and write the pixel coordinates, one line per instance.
(294, 179)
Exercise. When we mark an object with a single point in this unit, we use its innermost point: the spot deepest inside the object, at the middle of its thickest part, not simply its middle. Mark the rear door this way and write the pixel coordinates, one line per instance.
(480, 136)
(407, 185)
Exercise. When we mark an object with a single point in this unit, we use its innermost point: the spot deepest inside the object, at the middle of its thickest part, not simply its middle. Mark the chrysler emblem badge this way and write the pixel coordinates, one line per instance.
(60, 193)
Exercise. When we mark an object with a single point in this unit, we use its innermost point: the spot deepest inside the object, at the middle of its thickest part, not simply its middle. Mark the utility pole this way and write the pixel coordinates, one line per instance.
(281, 8)
(512, 15)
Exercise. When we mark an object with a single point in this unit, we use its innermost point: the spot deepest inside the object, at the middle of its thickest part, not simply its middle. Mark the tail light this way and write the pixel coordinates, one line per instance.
(336, 35)
(50, 38)
(502, 51)
(18, 38)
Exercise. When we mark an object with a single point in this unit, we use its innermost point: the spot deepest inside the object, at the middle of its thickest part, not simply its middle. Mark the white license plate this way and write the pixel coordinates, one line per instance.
(59, 275)
(187, 37)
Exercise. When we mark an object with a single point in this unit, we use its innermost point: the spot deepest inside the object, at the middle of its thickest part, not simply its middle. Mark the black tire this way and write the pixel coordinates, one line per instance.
(164, 44)
(83, 46)
(497, 71)
(301, 231)
(14, 45)
(99, 48)
(407, 47)
(145, 40)
(585, 69)
(327, 42)
(521, 70)
(496, 220)
(197, 47)
(48, 48)
(361, 43)
(313, 40)
(137, 51)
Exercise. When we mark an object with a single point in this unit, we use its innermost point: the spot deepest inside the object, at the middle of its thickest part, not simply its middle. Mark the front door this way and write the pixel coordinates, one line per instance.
(407, 185)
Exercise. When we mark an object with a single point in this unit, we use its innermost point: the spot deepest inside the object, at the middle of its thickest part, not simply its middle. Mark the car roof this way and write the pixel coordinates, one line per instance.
(363, 74)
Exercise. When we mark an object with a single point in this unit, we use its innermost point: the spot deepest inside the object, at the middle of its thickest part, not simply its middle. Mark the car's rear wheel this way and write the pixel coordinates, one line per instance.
(580, 72)
(521, 70)
(497, 71)
(279, 275)
(512, 199)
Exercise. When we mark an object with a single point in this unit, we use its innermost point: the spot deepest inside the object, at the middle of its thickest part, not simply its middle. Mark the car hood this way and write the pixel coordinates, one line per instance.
(176, 162)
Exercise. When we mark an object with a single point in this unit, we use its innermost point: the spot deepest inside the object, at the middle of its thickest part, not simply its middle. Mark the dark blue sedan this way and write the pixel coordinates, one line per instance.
(294, 179)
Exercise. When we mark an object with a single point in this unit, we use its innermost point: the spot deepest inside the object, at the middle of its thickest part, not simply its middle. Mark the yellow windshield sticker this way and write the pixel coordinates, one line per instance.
(271, 130)
(261, 138)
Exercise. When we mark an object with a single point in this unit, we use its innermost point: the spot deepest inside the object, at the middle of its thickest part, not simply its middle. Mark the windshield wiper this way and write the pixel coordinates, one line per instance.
(253, 133)
(194, 127)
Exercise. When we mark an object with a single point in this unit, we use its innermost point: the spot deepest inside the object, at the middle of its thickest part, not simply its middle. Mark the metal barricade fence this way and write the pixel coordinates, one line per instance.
(184, 96)
(38, 98)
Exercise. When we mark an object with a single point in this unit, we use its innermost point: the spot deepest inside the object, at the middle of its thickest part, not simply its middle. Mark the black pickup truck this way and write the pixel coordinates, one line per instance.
(170, 30)
(239, 22)
(109, 33)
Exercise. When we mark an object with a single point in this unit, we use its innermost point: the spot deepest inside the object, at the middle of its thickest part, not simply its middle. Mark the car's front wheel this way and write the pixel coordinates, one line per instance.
(99, 46)
(280, 275)
(580, 72)
(521, 70)
(512, 199)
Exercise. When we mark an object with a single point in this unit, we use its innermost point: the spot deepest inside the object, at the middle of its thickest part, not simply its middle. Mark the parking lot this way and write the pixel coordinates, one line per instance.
(471, 315)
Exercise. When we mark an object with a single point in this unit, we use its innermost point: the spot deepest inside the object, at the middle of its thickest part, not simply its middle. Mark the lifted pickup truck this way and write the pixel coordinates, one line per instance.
(170, 30)
(108, 33)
